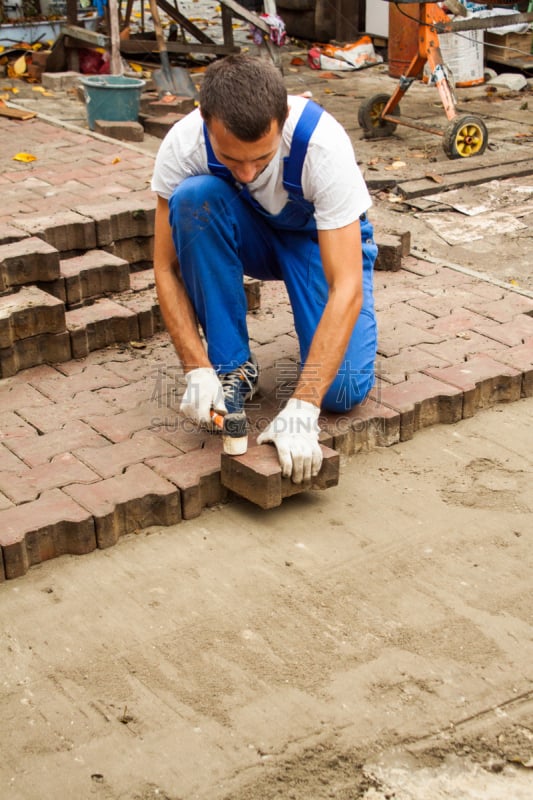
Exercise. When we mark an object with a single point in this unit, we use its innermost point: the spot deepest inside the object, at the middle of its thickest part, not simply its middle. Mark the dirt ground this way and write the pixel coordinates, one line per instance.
(371, 641)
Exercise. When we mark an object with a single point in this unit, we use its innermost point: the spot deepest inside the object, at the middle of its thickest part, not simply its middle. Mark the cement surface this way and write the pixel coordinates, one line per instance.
(374, 641)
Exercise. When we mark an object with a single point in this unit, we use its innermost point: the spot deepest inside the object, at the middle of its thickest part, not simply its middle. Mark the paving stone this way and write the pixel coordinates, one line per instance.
(14, 395)
(122, 425)
(390, 250)
(459, 321)
(127, 218)
(367, 426)
(9, 233)
(256, 475)
(46, 528)
(418, 266)
(123, 131)
(397, 368)
(393, 338)
(462, 346)
(4, 503)
(483, 381)
(9, 461)
(145, 307)
(391, 295)
(127, 397)
(83, 406)
(142, 280)
(504, 309)
(265, 327)
(37, 450)
(25, 353)
(83, 378)
(27, 313)
(197, 475)
(512, 333)
(99, 325)
(27, 261)
(56, 288)
(136, 251)
(135, 500)
(61, 471)
(403, 313)
(12, 424)
(93, 275)
(60, 81)
(65, 230)
(521, 358)
(159, 125)
(252, 289)
(179, 105)
(115, 458)
(421, 401)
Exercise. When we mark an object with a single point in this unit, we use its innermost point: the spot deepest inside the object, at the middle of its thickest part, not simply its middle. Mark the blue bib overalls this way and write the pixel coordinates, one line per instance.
(221, 233)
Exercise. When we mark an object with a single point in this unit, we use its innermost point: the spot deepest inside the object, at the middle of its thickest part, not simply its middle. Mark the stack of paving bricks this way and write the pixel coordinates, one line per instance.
(77, 286)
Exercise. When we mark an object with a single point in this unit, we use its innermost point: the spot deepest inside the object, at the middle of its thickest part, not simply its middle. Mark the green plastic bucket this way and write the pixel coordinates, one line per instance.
(112, 97)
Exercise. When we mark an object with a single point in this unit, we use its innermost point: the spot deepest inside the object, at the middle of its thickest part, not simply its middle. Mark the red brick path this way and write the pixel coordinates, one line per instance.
(92, 447)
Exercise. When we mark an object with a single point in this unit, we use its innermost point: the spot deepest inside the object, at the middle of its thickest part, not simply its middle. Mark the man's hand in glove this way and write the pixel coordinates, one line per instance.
(295, 433)
(202, 393)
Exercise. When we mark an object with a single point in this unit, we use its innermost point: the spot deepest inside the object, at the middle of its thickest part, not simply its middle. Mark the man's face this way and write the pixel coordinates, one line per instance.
(245, 160)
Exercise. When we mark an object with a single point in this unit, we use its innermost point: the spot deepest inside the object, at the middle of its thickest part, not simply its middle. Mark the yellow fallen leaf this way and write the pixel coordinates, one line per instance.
(24, 157)
(48, 94)
(38, 89)
(398, 164)
(135, 67)
(14, 89)
(116, 160)
(19, 66)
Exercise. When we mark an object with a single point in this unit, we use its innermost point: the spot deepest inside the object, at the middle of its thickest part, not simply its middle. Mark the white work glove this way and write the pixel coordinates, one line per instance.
(203, 392)
(295, 433)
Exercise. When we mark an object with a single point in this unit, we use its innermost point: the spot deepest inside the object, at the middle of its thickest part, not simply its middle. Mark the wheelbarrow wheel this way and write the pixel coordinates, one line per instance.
(464, 137)
(369, 117)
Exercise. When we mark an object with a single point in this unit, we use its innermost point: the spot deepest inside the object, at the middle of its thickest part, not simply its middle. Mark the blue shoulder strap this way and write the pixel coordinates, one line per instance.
(214, 165)
(293, 163)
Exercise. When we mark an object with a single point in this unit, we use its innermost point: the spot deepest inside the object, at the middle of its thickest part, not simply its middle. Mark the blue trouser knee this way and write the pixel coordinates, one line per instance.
(219, 237)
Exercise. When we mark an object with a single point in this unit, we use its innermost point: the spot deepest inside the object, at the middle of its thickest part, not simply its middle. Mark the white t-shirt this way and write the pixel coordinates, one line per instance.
(331, 178)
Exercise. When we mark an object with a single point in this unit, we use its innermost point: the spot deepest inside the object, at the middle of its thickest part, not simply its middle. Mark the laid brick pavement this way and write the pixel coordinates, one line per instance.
(92, 446)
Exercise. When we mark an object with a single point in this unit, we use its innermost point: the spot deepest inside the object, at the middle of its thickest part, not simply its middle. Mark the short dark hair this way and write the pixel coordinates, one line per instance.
(246, 94)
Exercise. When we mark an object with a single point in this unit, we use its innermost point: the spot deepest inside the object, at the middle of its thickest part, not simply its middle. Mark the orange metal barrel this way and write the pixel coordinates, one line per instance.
(403, 36)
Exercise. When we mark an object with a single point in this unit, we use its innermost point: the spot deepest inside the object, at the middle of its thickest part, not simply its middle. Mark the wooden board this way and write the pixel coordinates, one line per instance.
(16, 113)
(425, 186)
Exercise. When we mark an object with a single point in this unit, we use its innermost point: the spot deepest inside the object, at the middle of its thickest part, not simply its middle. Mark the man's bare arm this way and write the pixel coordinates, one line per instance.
(342, 261)
(176, 308)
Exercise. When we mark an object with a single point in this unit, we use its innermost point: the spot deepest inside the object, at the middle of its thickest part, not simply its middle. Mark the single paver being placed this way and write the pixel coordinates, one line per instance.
(94, 447)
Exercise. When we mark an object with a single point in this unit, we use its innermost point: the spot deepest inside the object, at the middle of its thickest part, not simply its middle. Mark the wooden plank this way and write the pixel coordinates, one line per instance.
(145, 46)
(86, 36)
(186, 23)
(379, 178)
(16, 113)
(497, 111)
(425, 186)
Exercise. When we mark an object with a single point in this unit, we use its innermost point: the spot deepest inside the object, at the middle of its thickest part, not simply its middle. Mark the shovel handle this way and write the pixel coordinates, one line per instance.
(161, 43)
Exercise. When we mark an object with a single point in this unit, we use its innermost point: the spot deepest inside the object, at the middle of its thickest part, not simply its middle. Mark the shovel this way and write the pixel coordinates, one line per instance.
(170, 81)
